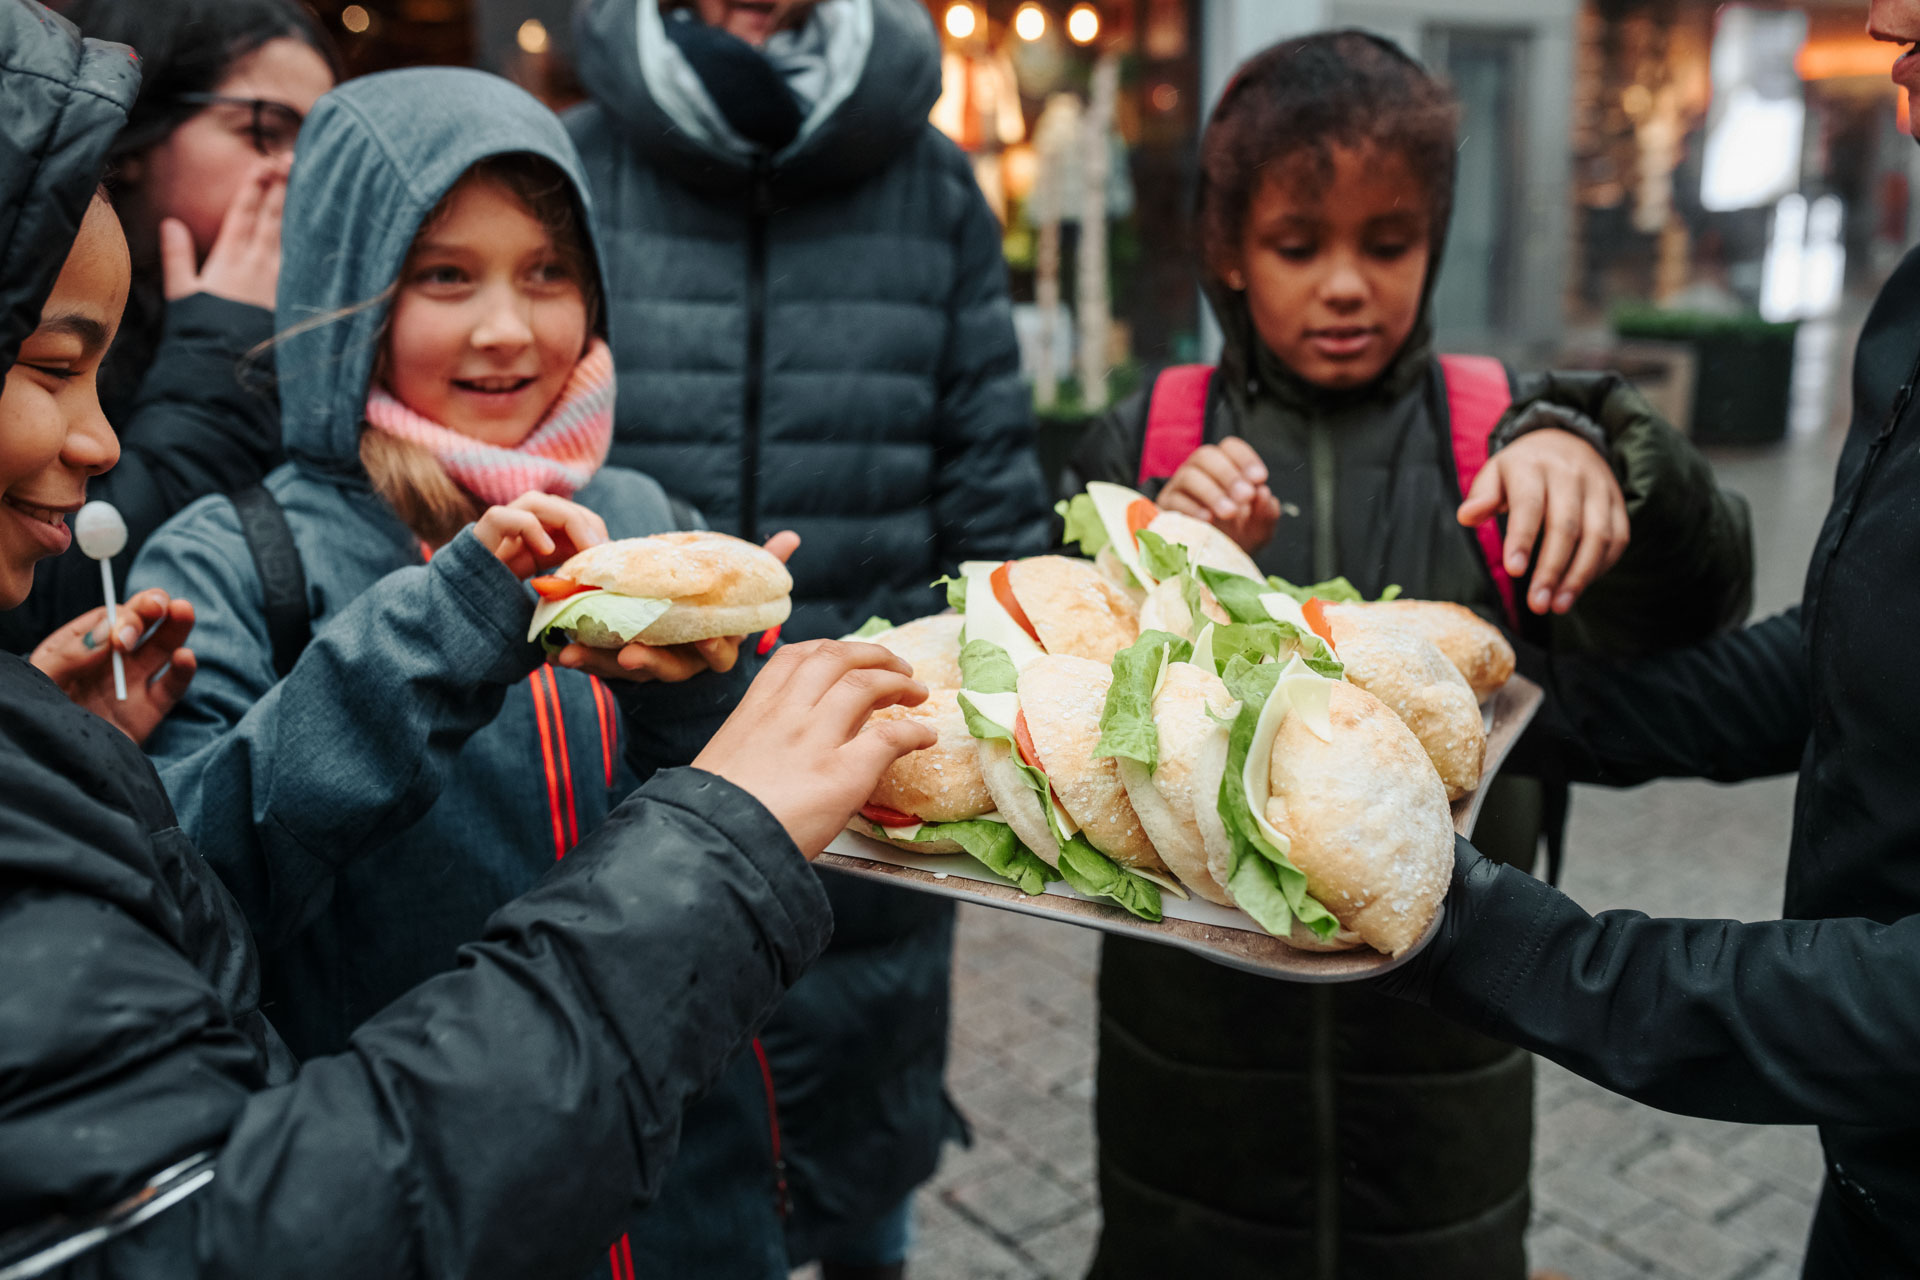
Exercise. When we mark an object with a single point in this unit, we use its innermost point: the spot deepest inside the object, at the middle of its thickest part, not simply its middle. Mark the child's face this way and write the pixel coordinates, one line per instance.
(489, 320)
(52, 433)
(1333, 274)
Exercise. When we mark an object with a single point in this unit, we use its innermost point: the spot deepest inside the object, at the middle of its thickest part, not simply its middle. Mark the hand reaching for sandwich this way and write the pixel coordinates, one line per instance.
(800, 741)
(537, 531)
(1226, 485)
(78, 658)
(1558, 491)
(669, 664)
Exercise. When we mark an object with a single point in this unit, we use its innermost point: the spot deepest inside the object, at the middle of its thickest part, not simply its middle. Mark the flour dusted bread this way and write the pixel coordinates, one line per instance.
(1367, 818)
(931, 646)
(716, 585)
(1178, 801)
(1062, 698)
(1475, 647)
(1165, 609)
(1205, 544)
(1074, 610)
(1412, 676)
(940, 783)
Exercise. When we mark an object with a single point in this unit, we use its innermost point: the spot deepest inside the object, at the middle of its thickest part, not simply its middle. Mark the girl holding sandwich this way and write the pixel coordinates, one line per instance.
(442, 353)
(1326, 184)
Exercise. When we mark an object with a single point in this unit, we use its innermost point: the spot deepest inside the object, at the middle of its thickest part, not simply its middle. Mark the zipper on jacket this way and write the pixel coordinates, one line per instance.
(760, 205)
(782, 1197)
(1320, 453)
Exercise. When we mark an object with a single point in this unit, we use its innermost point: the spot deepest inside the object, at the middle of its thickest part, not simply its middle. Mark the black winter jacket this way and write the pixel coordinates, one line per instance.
(822, 340)
(1409, 1139)
(1807, 1020)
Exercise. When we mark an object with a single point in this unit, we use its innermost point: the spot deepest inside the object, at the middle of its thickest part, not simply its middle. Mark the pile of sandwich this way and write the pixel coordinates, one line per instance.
(1160, 717)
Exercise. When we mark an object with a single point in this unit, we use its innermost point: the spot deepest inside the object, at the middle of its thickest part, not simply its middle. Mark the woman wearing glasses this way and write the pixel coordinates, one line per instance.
(197, 176)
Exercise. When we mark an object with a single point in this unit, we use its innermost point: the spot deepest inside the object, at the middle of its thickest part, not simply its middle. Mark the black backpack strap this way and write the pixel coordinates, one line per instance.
(283, 580)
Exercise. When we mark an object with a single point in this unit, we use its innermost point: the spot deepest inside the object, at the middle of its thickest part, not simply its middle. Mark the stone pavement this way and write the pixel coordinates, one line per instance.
(1620, 1189)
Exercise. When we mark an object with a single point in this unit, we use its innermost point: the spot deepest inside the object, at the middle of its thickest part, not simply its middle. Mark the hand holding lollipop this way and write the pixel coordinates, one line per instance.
(102, 535)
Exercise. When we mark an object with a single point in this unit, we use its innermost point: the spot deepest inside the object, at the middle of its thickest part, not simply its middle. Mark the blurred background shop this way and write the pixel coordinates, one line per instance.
(1694, 191)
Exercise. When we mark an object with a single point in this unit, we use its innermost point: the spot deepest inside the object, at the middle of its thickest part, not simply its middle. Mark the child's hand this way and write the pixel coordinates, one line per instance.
(243, 263)
(78, 658)
(537, 531)
(672, 663)
(1226, 485)
(800, 744)
(1555, 483)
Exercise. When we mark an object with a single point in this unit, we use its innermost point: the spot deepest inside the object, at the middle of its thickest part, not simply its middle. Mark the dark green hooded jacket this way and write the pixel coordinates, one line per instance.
(1329, 1132)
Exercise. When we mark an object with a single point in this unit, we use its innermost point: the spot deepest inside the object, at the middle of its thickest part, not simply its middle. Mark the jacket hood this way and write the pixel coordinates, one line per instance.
(1244, 358)
(62, 101)
(876, 100)
(374, 158)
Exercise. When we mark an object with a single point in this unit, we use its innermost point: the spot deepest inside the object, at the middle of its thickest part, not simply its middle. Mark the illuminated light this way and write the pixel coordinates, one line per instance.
(961, 21)
(1836, 59)
(532, 36)
(355, 19)
(1165, 97)
(1083, 24)
(1030, 23)
(1637, 101)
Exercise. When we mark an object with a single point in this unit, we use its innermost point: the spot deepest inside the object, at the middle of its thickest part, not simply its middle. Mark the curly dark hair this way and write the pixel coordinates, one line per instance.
(1290, 104)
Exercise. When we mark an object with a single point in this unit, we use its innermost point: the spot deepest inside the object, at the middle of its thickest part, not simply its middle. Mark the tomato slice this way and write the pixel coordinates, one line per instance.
(883, 817)
(1140, 514)
(1002, 582)
(1315, 612)
(1024, 740)
(769, 639)
(557, 588)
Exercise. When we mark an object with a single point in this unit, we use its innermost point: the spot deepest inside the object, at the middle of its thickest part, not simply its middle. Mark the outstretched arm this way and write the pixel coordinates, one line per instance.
(1782, 1022)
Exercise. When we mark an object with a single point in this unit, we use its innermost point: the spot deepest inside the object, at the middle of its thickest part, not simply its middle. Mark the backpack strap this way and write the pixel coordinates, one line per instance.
(1176, 419)
(283, 579)
(1478, 393)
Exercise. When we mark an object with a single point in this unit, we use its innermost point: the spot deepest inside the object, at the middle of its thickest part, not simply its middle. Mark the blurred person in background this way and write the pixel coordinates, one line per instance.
(197, 176)
(813, 332)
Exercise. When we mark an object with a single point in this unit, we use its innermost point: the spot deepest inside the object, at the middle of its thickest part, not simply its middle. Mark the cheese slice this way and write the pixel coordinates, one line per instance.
(638, 607)
(1160, 676)
(1300, 691)
(896, 833)
(1001, 708)
(1203, 652)
(1311, 696)
(1110, 503)
(1282, 607)
(988, 620)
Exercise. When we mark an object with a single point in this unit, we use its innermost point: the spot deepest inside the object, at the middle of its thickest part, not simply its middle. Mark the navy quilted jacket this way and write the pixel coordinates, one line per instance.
(819, 339)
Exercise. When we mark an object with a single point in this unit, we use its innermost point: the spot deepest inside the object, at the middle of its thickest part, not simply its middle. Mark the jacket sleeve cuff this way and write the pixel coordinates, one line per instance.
(239, 326)
(1544, 414)
(495, 602)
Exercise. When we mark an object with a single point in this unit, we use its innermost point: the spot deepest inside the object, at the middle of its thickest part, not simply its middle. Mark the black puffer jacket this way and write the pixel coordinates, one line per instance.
(1407, 1138)
(500, 1120)
(1780, 1023)
(821, 340)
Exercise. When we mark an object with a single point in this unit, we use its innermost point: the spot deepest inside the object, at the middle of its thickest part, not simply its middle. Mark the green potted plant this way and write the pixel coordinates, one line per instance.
(1743, 372)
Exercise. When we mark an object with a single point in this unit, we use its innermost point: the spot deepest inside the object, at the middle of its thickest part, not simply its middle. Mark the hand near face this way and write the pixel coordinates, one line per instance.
(79, 658)
(800, 742)
(1226, 485)
(1559, 492)
(669, 664)
(244, 263)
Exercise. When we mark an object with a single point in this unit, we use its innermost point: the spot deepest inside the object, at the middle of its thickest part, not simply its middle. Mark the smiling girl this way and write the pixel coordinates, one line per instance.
(446, 391)
(1326, 188)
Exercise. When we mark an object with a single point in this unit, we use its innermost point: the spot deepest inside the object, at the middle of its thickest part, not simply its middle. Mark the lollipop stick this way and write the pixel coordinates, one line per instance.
(113, 627)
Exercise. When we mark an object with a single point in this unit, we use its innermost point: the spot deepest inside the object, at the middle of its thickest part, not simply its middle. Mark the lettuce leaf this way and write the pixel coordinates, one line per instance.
(1098, 876)
(1126, 724)
(1084, 525)
(991, 844)
(956, 592)
(601, 615)
(871, 627)
(1161, 558)
(986, 668)
(1335, 590)
(1240, 597)
(1264, 881)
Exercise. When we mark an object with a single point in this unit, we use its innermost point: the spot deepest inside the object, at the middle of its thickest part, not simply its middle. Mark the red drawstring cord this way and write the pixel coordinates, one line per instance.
(768, 640)
(609, 732)
(782, 1200)
(566, 764)
(553, 775)
(620, 1256)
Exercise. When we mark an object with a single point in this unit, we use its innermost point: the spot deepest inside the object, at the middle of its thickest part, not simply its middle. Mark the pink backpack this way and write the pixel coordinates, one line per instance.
(1477, 394)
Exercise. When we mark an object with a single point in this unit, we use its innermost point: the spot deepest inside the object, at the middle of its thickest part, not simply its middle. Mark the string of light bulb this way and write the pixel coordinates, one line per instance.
(963, 21)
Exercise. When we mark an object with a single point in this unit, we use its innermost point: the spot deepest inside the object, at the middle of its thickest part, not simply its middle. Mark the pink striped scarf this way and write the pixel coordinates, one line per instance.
(558, 456)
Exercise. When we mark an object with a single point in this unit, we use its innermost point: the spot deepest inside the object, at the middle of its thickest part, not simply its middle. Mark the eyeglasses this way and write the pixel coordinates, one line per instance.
(272, 126)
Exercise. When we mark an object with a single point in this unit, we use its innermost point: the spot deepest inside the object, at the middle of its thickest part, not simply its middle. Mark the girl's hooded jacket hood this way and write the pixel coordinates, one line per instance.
(882, 78)
(62, 101)
(375, 156)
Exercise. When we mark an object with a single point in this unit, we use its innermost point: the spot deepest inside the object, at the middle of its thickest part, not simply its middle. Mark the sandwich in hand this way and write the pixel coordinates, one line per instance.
(935, 801)
(670, 588)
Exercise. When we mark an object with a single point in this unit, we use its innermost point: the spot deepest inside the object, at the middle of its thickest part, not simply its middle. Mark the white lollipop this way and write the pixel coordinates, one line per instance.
(102, 535)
